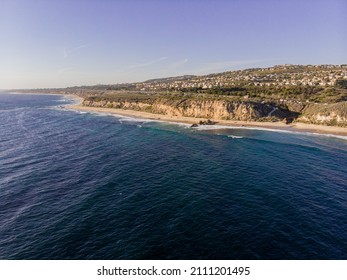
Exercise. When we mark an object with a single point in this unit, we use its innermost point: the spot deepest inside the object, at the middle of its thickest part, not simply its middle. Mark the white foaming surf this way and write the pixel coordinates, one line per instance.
(231, 136)
(144, 120)
(216, 127)
(234, 136)
(123, 118)
(129, 119)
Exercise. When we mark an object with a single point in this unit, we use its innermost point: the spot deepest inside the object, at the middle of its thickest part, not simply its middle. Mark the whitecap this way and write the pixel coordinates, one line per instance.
(234, 136)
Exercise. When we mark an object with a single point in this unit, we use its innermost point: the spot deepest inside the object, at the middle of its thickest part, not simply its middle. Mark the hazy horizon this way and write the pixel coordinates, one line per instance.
(48, 44)
(155, 78)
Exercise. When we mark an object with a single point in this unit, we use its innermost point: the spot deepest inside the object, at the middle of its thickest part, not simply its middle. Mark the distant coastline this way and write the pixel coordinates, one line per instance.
(284, 97)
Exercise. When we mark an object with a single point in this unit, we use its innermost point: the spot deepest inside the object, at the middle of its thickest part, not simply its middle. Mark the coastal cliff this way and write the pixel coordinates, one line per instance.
(324, 114)
(209, 109)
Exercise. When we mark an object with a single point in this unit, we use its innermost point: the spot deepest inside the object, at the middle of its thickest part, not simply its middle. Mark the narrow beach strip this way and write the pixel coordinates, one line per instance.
(294, 127)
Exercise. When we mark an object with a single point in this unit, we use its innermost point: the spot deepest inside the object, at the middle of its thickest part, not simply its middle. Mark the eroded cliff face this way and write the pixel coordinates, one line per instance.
(210, 109)
(326, 114)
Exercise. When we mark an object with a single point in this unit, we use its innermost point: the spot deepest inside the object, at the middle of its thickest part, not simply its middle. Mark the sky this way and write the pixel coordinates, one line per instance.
(60, 43)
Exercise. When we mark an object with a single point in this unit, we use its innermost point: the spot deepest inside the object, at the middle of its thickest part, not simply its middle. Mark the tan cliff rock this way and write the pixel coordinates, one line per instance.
(210, 109)
(326, 114)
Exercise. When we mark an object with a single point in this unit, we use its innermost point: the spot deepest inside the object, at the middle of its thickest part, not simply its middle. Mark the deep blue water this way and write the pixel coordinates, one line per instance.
(79, 185)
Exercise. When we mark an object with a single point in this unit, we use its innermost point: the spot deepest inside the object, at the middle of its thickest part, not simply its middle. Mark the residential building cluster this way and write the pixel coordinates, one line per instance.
(278, 76)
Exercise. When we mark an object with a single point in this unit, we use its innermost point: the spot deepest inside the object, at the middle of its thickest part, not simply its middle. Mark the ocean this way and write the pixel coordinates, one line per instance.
(77, 185)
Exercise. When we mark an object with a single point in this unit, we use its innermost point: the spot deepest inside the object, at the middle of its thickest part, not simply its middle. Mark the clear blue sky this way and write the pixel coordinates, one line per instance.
(58, 43)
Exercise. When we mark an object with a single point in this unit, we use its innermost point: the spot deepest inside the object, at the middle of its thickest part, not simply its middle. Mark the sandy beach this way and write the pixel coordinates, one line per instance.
(294, 127)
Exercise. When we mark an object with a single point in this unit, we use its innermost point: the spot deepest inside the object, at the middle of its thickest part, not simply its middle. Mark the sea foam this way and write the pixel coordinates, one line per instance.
(219, 127)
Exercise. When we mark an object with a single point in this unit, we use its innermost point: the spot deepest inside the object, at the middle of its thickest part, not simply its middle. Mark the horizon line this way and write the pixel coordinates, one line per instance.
(167, 77)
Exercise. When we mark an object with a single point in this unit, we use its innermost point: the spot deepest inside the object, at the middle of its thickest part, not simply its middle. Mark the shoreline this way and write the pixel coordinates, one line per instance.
(294, 127)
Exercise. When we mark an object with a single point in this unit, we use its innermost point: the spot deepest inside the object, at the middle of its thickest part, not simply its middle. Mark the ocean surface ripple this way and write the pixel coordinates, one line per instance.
(89, 186)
